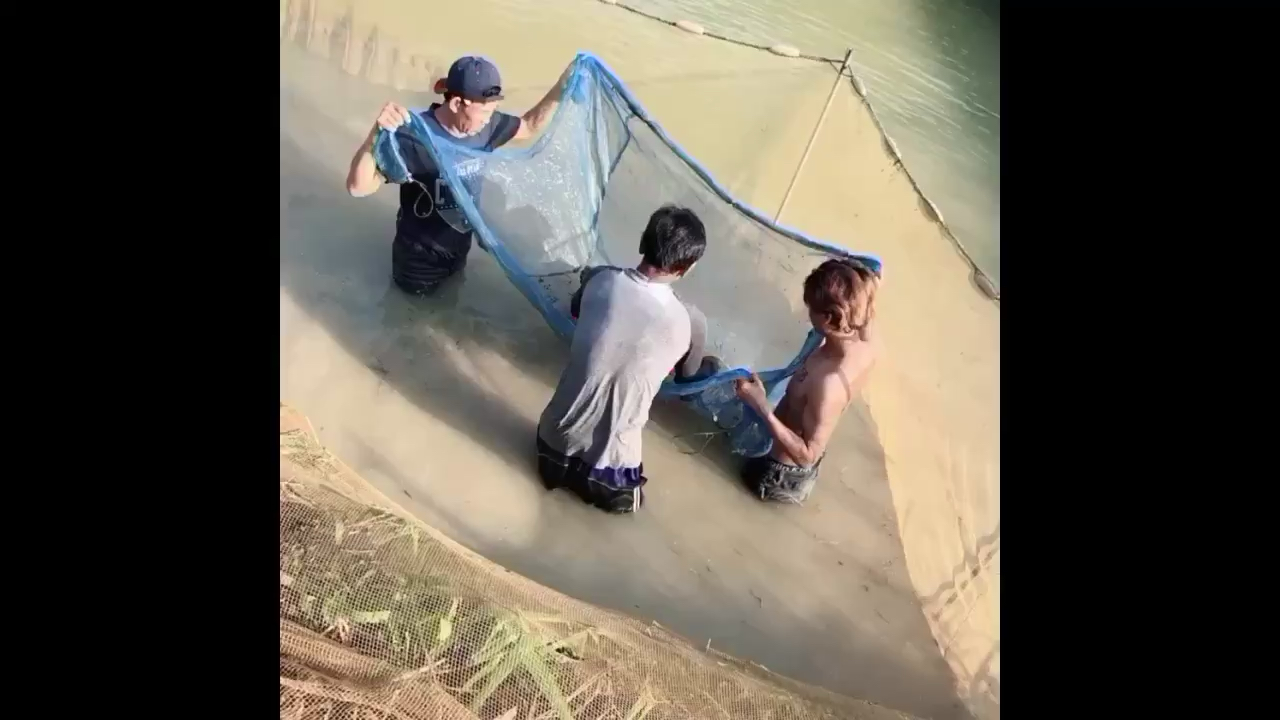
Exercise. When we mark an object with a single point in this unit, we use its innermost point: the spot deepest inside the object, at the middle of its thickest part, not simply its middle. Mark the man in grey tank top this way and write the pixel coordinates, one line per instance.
(632, 332)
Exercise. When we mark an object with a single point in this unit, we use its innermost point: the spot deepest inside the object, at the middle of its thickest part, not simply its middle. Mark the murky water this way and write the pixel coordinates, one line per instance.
(933, 70)
(887, 586)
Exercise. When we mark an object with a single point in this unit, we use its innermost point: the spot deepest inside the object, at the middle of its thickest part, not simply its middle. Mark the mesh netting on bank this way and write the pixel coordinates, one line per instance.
(383, 617)
(581, 195)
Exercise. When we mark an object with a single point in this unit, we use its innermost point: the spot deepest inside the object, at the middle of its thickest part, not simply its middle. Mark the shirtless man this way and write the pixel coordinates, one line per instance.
(840, 295)
(632, 330)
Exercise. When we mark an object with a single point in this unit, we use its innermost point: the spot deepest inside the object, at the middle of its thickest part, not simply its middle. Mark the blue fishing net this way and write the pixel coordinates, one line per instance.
(581, 195)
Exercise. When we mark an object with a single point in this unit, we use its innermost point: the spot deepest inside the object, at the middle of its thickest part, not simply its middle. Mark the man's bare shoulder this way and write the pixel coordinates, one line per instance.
(813, 377)
(830, 380)
(839, 380)
(862, 356)
(857, 366)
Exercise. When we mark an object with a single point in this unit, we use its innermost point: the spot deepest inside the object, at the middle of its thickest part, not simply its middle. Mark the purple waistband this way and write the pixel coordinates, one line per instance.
(619, 477)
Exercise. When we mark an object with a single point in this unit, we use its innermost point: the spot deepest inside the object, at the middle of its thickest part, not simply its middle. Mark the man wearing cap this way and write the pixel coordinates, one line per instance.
(433, 236)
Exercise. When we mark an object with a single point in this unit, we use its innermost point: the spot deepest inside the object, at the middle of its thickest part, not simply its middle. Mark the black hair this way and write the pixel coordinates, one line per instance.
(674, 239)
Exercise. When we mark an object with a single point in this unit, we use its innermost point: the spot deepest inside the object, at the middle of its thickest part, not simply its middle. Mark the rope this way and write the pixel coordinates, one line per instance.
(980, 277)
(699, 30)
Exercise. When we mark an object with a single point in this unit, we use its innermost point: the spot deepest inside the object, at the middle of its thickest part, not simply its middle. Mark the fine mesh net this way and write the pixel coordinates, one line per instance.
(581, 196)
(383, 617)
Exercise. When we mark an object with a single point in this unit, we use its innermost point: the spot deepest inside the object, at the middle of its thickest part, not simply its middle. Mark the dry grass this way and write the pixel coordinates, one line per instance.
(355, 577)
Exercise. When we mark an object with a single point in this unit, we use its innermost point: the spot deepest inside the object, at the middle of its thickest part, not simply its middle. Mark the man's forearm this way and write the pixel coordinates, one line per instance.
(792, 444)
(363, 177)
(539, 115)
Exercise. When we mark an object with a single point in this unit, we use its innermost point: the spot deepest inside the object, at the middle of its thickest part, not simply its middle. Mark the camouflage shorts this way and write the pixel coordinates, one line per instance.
(780, 482)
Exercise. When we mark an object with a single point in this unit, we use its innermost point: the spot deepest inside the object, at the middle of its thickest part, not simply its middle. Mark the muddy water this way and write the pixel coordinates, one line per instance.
(435, 401)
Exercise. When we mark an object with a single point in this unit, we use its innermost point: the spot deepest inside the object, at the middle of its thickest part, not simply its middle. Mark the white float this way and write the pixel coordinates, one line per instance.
(692, 27)
(984, 283)
(893, 148)
(933, 208)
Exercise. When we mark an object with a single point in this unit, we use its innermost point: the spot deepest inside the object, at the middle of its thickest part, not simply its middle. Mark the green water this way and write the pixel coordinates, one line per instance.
(932, 69)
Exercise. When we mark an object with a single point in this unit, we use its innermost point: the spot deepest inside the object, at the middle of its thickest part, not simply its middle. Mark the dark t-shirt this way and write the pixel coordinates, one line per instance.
(429, 215)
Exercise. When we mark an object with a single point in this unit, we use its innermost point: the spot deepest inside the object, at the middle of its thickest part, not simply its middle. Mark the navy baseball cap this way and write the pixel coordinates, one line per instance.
(474, 78)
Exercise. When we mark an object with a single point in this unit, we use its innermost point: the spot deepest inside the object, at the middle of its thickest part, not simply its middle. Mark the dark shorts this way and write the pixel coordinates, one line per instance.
(780, 482)
(560, 471)
(419, 266)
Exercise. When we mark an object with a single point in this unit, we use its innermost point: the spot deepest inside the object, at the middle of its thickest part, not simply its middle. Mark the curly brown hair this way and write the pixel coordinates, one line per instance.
(843, 294)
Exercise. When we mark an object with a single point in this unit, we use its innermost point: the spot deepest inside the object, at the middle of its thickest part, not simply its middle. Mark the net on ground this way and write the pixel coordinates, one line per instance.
(383, 617)
(581, 195)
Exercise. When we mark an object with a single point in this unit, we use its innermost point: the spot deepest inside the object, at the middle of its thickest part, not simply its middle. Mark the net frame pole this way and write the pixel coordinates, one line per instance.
(809, 148)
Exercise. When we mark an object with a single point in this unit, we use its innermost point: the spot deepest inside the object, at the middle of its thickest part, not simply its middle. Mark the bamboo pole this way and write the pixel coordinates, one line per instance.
(807, 148)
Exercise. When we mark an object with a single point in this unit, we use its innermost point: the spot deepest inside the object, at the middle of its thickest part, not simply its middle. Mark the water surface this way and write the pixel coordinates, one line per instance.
(933, 70)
